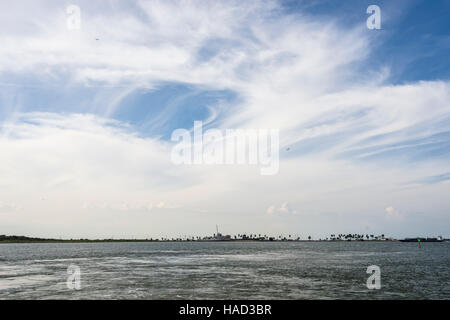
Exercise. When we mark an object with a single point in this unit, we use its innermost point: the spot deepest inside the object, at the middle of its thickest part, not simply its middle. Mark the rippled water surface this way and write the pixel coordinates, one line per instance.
(235, 270)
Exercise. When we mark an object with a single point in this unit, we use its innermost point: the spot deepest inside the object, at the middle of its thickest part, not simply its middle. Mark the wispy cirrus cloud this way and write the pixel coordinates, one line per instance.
(434, 179)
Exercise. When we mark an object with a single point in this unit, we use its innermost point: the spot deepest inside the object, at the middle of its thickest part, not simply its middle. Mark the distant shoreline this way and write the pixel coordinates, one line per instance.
(23, 239)
(185, 241)
(164, 241)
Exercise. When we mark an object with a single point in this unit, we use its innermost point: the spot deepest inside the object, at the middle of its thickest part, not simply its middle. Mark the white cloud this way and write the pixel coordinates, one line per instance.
(393, 214)
(8, 207)
(99, 178)
(284, 208)
(139, 206)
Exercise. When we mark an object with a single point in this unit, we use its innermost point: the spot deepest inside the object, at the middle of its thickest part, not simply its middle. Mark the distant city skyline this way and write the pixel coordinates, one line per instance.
(91, 92)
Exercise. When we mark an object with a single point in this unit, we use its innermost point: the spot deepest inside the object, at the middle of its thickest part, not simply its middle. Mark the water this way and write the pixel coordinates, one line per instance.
(234, 270)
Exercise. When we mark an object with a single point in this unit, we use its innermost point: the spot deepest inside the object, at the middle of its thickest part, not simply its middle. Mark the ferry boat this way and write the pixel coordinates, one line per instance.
(420, 239)
(217, 237)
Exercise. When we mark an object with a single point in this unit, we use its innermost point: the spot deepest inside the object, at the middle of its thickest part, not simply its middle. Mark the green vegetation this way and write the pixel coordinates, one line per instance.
(23, 239)
(239, 237)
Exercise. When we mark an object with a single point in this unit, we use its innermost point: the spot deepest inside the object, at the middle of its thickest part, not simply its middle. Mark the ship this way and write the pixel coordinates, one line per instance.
(217, 236)
(423, 239)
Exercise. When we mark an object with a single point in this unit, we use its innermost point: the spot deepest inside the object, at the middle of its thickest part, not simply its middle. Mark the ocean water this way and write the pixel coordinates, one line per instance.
(225, 270)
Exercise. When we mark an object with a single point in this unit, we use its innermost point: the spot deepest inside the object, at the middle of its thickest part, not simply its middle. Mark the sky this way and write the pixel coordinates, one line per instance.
(86, 117)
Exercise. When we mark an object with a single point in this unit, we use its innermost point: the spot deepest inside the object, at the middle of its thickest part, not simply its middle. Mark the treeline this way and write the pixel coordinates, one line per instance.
(4, 238)
(239, 237)
(356, 236)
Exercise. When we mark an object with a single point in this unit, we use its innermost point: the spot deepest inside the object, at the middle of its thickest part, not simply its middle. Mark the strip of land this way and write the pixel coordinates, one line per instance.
(24, 239)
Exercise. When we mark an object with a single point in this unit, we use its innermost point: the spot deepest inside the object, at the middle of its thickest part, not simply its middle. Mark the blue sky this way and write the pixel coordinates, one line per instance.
(86, 123)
